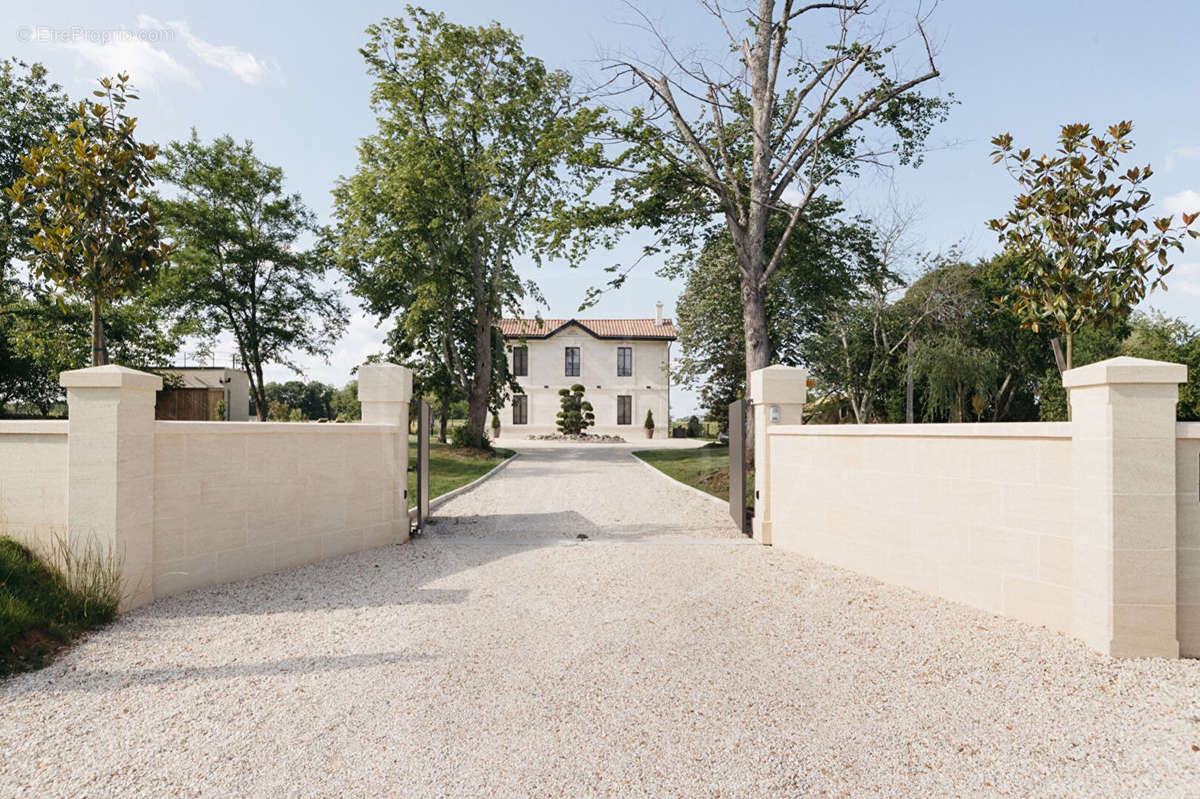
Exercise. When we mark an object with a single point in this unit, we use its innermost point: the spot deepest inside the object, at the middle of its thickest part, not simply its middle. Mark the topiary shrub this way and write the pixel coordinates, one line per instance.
(576, 414)
(693, 427)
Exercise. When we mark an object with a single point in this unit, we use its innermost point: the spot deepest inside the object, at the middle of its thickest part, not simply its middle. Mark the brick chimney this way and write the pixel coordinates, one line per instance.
(658, 314)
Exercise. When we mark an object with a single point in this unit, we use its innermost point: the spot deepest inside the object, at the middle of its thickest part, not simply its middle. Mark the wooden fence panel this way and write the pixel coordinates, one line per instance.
(188, 404)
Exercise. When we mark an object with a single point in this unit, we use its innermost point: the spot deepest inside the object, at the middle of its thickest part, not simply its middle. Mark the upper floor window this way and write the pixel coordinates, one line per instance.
(624, 361)
(520, 361)
(572, 362)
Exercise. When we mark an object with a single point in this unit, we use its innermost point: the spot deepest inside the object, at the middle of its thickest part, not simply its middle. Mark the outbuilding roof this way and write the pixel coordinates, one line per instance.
(600, 328)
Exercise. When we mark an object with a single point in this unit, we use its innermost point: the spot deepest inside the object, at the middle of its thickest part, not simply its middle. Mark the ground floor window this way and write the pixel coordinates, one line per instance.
(520, 407)
(624, 409)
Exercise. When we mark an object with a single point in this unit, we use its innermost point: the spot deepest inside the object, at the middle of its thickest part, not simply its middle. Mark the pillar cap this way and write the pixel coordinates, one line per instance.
(109, 376)
(384, 382)
(1125, 370)
(778, 384)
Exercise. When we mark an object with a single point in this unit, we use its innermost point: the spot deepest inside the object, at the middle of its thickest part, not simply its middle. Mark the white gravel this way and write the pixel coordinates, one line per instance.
(662, 656)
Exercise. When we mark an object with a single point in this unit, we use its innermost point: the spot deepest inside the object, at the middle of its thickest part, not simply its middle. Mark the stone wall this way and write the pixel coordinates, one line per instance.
(33, 481)
(1187, 532)
(237, 499)
(1068, 525)
(189, 504)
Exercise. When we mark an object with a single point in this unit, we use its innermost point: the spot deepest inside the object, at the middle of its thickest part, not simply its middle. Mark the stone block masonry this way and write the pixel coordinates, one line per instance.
(189, 504)
(1088, 527)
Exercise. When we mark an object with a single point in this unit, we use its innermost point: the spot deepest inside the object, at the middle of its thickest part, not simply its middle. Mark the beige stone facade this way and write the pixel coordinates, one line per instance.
(599, 345)
(33, 481)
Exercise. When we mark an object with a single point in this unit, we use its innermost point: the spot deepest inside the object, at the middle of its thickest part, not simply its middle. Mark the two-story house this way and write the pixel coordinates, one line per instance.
(624, 366)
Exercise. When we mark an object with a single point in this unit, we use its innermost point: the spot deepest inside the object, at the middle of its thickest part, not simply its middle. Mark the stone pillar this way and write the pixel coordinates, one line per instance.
(777, 394)
(1123, 533)
(110, 489)
(385, 390)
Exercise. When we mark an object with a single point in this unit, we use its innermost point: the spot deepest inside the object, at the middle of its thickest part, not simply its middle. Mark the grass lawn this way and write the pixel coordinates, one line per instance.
(40, 611)
(705, 468)
(449, 467)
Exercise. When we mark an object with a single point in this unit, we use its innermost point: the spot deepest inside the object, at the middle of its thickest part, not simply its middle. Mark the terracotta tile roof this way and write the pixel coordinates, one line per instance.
(600, 328)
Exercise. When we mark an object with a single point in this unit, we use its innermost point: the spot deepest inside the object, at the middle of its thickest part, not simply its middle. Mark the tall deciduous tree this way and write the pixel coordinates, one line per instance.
(478, 148)
(759, 135)
(92, 231)
(30, 107)
(1087, 251)
(827, 258)
(240, 267)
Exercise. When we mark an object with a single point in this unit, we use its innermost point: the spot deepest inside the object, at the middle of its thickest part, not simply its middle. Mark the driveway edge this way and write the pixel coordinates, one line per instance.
(449, 495)
(680, 483)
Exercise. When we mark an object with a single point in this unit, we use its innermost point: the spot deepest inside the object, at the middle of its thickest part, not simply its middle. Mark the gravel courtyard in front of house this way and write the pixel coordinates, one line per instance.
(500, 655)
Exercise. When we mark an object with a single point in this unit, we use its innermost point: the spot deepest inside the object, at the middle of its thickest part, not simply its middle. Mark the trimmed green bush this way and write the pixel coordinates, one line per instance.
(576, 414)
(460, 436)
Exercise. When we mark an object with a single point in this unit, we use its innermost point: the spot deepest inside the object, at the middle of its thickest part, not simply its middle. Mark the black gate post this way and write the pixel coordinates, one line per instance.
(737, 467)
(424, 423)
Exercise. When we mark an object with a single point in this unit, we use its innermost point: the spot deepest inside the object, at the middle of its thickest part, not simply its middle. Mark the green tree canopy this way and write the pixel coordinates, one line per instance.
(479, 147)
(1087, 252)
(240, 267)
(92, 231)
(30, 108)
(827, 257)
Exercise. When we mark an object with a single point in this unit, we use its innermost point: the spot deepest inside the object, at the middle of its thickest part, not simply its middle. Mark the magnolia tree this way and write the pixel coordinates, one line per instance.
(92, 231)
(1086, 248)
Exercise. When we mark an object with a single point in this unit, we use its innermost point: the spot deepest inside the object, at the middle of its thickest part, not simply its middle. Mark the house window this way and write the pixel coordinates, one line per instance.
(572, 362)
(624, 409)
(520, 407)
(520, 361)
(624, 361)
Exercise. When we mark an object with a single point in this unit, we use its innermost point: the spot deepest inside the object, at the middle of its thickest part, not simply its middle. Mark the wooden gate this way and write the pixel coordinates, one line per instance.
(742, 516)
(188, 404)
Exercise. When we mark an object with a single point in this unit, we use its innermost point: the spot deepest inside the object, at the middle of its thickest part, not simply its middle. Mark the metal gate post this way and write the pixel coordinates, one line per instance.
(424, 423)
(737, 466)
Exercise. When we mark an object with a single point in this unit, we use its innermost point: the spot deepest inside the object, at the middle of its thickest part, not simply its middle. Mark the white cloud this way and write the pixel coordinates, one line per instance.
(1186, 201)
(146, 64)
(245, 66)
(1182, 154)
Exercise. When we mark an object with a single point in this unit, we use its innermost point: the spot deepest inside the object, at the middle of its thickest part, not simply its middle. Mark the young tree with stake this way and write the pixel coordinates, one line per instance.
(1087, 252)
(92, 230)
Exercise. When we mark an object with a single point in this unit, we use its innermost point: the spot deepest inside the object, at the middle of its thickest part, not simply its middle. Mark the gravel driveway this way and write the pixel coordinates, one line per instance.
(662, 656)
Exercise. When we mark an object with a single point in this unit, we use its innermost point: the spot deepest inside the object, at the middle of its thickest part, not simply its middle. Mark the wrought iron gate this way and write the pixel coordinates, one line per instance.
(424, 425)
(742, 516)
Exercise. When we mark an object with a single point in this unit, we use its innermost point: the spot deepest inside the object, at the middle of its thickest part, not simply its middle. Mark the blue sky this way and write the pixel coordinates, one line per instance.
(290, 78)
